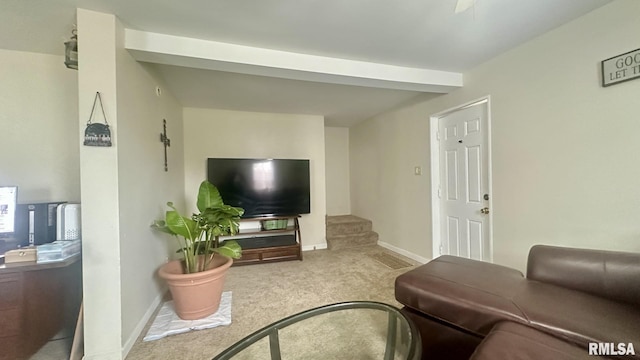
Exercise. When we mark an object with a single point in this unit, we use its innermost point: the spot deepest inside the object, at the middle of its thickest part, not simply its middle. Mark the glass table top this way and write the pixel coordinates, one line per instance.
(349, 330)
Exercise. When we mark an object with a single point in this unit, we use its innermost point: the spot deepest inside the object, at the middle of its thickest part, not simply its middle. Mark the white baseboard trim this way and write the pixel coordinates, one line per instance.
(410, 255)
(314, 247)
(103, 356)
(128, 345)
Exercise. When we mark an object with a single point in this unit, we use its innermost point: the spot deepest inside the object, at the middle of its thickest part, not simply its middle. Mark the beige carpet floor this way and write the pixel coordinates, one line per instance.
(265, 293)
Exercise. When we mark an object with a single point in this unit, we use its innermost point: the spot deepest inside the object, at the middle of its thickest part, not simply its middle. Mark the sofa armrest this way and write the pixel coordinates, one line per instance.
(609, 274)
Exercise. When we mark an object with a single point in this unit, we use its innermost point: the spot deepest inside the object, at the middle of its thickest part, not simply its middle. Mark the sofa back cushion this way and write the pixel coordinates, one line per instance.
(608, 274)
(472, 295)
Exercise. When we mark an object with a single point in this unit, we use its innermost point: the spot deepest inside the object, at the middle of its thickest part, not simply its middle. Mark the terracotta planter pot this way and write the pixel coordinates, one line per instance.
(196, 295)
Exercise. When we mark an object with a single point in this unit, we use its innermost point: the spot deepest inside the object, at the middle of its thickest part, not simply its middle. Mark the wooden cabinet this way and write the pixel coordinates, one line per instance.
(37, 302)
(260, 245)
(10, 315)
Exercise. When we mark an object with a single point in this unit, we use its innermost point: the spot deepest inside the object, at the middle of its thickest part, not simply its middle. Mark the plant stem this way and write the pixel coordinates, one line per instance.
(208, 247)
(187, 258)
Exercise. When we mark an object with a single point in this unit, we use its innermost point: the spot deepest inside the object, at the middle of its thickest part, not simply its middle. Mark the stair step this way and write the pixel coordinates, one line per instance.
(337, 242)
(347, 224)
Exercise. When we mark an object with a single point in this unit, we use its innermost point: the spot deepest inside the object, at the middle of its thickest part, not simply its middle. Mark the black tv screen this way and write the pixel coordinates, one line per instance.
(262, 187)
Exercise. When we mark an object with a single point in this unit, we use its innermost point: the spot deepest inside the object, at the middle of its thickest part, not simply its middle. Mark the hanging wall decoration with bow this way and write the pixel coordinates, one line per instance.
(97, 134)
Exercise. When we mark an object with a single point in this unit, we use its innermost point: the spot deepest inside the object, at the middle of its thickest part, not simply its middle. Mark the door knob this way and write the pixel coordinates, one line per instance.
(484, 210)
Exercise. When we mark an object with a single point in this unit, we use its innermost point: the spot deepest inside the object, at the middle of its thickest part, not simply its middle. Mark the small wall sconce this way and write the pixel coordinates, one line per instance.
(71, 51)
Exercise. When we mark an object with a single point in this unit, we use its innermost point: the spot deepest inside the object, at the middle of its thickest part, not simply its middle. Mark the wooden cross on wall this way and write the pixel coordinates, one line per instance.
(166, 141)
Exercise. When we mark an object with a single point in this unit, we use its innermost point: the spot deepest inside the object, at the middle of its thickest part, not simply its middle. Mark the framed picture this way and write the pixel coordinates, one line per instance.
(621, 68)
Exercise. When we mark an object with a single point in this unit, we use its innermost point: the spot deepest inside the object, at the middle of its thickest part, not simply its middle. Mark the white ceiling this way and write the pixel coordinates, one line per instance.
(341, 104)
(413, 33)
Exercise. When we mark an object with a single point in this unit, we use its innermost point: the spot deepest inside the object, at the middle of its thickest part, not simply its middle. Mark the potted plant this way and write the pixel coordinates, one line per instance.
(197, 280)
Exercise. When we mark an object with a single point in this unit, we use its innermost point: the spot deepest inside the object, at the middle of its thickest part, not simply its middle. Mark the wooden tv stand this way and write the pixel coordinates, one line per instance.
(262, 246)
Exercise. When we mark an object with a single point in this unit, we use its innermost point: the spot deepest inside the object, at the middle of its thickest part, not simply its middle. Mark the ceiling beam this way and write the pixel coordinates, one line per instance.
(213, 55)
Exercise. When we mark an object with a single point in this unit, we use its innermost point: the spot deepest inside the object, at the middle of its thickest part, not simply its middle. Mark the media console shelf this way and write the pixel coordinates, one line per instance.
(261, 246)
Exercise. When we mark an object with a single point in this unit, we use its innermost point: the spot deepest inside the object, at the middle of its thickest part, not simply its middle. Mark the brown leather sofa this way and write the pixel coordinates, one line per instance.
(571, 299)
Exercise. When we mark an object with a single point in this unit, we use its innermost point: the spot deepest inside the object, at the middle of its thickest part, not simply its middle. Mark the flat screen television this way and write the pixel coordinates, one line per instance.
(262, 187)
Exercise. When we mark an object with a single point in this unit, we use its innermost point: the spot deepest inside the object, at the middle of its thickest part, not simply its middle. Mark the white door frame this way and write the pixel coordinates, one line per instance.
(436, 235)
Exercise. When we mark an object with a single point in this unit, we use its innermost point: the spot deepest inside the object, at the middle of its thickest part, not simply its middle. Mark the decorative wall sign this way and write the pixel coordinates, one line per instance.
(97, 134)
(166, 141)
(621, 68)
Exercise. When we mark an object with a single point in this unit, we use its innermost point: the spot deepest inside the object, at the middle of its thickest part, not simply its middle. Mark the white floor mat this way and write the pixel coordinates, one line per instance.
(168, 323)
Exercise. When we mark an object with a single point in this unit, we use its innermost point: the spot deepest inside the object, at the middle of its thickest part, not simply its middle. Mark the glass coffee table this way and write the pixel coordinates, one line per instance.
(348, 330)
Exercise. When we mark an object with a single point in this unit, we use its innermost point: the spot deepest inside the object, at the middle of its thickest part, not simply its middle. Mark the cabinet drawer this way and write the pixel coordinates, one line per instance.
(9, 348)
(10, 291)
(9, 322)
(250, 256)
(267, 255)
(280, 253)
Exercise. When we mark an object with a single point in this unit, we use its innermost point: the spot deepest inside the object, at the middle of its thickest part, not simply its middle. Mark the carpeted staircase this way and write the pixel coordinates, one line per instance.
(348, 231)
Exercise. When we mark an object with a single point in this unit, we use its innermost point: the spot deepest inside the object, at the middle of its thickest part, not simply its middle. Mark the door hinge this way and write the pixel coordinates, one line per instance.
(440, 250)
(438, 135)
(439, 192)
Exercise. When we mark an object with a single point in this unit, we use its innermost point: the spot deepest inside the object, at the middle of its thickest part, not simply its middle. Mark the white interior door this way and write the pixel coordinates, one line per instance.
(464, 182)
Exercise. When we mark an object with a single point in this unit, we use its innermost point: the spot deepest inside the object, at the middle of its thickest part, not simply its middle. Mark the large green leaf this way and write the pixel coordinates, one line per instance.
(182, 226)
(221, 220)
(232, 211)
(230, 248)
(208, 196)
(161, 225)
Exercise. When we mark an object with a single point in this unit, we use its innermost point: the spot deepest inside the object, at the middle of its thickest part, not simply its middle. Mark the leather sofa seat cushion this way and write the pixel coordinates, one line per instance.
(476, 296)
(515, 341)
(473, 295)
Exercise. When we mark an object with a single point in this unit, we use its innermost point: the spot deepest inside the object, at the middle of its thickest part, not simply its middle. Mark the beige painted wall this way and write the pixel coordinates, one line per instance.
(384, 152)
(99, 184)
(38, 118)
(238, 134)
(337, 170)
(124, 188)
(144, 186)
(564, 148)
